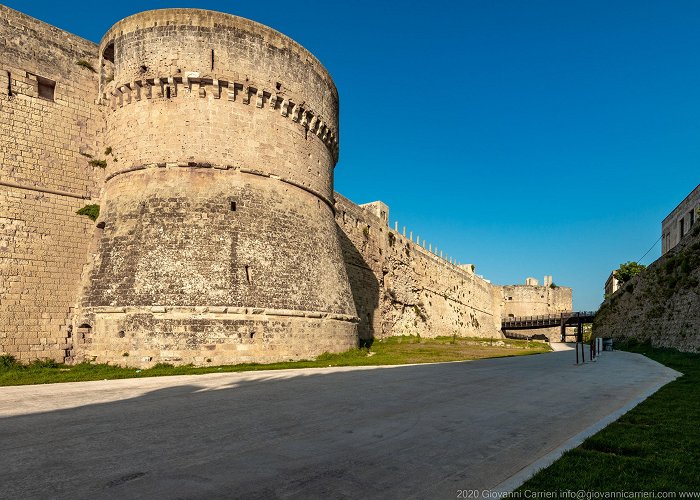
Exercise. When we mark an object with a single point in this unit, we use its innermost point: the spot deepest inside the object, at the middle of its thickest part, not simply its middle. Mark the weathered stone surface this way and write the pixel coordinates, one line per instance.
(534, 300)
(184, 234)
(43, 243)
(220, 238)
(661, 305)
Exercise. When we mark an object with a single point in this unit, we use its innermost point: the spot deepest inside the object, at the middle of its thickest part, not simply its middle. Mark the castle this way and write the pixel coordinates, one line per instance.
(209, 143)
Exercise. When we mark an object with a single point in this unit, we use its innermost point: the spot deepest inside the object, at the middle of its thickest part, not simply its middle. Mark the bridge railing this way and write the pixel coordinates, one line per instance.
(541, 319)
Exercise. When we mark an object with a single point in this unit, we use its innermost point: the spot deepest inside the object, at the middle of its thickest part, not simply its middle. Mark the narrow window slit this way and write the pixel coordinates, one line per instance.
(233, 206)
(9, 84)
(212, 59)
(247, 273)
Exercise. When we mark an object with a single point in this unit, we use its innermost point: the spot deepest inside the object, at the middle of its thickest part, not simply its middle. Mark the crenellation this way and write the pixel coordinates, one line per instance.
(219, 238)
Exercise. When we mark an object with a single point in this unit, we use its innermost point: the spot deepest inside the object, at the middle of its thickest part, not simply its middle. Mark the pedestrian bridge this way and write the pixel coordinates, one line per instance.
(561, 320)
(547, 320)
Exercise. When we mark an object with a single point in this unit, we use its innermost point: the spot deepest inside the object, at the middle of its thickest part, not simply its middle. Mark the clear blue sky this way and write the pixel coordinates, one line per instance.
(526, 137)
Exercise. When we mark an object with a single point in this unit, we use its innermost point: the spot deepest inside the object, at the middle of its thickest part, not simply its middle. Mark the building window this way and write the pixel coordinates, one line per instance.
(681, 227)
(45, 88)
(692, 218)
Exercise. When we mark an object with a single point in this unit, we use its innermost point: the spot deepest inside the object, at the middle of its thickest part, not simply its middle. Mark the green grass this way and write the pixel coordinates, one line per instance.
(655, 447)
(391, 351)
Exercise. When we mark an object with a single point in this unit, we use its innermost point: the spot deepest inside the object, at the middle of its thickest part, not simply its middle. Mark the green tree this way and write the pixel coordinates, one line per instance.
(627, 271)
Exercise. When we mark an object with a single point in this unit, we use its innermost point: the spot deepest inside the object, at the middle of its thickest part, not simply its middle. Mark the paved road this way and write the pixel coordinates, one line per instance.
(420, 431)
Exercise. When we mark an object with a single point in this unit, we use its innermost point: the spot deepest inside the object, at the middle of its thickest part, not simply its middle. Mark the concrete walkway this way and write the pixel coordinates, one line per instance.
(419, 431)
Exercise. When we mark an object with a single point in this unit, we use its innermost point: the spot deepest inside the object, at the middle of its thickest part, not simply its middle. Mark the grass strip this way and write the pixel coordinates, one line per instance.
(655, 447)
(390, 351)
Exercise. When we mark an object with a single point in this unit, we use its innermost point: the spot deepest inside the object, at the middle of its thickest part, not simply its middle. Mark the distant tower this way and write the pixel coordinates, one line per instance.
(547, 281)
(218, 242)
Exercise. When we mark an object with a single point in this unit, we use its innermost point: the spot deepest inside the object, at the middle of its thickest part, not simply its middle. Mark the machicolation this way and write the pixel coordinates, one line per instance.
(207, 142)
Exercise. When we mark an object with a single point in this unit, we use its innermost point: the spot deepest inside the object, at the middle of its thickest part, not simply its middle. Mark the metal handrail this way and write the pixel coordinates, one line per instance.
(547, 317)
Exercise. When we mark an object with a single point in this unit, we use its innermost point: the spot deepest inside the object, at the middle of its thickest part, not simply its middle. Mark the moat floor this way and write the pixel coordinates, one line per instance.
(420, 431)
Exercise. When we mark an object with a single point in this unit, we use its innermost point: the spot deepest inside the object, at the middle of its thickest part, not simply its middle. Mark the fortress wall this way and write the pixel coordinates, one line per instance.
(210, 255)
(220, 238)
(43, 180)
(400, 288)
(269, 104)
(528, 300)
(661, 305)
(217, 212)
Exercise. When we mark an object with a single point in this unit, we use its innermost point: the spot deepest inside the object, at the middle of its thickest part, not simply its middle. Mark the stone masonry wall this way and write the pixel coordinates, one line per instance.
(529, 300)
(661, 305)
(400, 288)
(196, 86)
(213, 141)
(217, 209)
(43, 180)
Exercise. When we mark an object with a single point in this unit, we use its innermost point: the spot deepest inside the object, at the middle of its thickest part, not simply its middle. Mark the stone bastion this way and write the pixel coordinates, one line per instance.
(208, 142)
(217, 238)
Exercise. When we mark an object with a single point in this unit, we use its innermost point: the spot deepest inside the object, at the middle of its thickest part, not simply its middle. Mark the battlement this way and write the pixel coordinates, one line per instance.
(212, 23)
(247, 93)
(401, 287)
(208, 142)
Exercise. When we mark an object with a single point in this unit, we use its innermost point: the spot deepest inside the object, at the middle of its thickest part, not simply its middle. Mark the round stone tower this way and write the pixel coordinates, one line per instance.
(217, 241)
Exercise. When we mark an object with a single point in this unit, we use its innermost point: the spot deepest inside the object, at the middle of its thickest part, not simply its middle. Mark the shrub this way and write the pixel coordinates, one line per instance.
(365, 231)
(7, 361)
(108, 151)
(85, 64)
(627, 271)
(98, 163)
(91, 211)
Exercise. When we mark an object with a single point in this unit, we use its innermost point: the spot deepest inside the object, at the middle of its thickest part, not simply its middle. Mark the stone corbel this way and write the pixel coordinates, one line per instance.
(173, 86)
